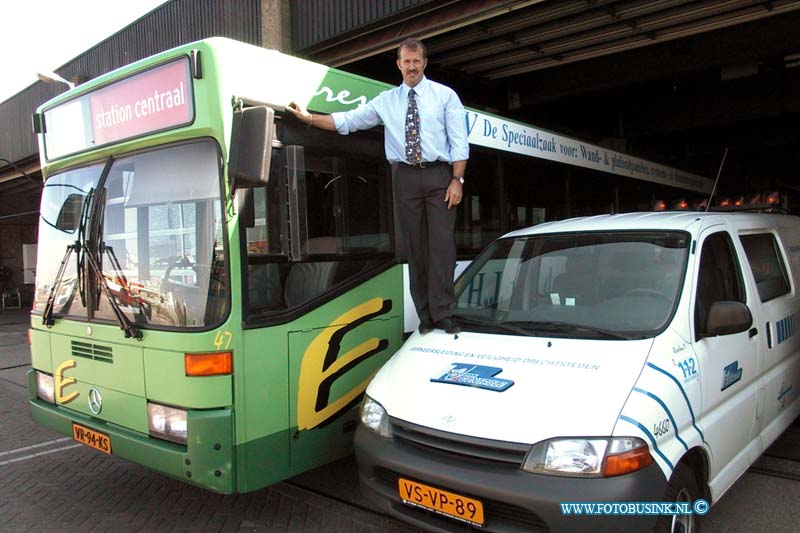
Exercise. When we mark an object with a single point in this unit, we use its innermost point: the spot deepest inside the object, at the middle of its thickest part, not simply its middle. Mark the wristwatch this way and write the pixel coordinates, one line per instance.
(460, 179)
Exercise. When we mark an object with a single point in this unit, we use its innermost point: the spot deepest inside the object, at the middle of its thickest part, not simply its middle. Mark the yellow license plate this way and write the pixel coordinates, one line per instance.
(91, 438)
(441, 501)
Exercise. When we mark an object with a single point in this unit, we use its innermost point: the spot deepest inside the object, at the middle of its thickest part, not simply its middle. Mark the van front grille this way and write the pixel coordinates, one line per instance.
(92, 351)
(462, 446)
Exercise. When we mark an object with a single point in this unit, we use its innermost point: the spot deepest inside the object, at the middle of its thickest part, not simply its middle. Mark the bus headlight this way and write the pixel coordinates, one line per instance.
(374, 416)
(588, 457)
(166, 423)
(45, 389)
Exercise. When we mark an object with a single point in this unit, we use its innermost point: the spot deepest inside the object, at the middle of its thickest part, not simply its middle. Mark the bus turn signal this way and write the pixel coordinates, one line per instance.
(208, 364)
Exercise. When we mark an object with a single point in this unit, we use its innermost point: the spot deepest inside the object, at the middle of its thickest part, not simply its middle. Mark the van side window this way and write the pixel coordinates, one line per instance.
(767, 265)
(720, 278)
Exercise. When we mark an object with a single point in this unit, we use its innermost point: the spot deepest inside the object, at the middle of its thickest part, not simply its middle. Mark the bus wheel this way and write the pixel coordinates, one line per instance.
(682, 488)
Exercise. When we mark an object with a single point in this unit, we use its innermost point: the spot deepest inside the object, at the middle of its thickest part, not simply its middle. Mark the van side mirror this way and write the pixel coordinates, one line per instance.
(726, 318)
(251, 146)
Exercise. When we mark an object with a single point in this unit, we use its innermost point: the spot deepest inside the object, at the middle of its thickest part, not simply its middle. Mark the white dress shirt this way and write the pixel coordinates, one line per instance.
(442, 121)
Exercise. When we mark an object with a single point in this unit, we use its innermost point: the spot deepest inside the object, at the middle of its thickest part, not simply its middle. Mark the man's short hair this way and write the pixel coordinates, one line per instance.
(412, 44)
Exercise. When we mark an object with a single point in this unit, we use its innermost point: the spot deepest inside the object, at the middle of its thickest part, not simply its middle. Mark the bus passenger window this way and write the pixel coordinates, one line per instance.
(342, 224)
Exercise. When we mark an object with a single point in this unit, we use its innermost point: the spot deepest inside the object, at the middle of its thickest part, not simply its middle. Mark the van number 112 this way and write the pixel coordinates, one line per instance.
(688, 368)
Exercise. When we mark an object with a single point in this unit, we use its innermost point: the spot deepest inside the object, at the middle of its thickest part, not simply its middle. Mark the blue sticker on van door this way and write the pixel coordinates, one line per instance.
(787, 327)
(482, 377)
(730, 375)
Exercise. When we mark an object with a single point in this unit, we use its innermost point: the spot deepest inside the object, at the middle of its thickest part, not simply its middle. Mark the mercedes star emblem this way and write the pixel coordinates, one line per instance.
(95, 401)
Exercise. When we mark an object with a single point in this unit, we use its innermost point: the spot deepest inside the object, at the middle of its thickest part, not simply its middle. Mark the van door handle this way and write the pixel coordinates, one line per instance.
(753, 332)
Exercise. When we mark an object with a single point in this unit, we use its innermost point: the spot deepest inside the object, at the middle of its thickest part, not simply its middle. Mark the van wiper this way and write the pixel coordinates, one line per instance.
(491, 324)
(47, 315)
(566, 327)
(124, 322)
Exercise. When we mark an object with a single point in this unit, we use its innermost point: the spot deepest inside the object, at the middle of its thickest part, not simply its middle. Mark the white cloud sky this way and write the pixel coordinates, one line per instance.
(42, 35)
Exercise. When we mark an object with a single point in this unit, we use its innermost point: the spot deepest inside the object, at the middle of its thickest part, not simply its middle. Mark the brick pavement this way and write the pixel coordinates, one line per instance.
(49, 483)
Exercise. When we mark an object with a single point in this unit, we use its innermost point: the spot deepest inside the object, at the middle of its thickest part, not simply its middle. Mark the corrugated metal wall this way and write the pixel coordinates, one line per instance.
(314, 21)
(17, 141)
(172, 24)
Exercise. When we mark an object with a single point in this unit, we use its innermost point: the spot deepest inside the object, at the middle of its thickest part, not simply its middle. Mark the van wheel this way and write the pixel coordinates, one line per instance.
(682, 488)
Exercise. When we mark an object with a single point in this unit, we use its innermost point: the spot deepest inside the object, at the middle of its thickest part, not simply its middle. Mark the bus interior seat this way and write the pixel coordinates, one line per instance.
(264, 288)
(323, 245)
(307, 280)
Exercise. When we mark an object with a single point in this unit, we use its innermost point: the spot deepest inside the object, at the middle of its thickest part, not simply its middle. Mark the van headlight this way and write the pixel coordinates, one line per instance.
(45, 388)
(374, 417)
(167, 423)
(601, 457)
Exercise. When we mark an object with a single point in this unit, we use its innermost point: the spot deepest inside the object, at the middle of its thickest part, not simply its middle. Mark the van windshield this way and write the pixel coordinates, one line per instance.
(590, 285)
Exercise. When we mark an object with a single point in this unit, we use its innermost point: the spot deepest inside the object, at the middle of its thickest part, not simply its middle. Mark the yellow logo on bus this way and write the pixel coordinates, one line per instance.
(322, 365)
(61, 382)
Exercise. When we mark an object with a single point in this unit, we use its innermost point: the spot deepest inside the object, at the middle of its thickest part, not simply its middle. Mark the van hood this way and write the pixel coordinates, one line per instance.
(514, 389)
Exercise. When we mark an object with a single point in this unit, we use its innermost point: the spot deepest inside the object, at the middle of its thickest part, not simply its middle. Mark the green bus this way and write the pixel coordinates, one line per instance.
(216, 282)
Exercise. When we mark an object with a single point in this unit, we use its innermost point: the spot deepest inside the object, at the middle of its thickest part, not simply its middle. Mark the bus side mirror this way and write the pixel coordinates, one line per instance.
(251, 146)
(726, 318)
(69, 216)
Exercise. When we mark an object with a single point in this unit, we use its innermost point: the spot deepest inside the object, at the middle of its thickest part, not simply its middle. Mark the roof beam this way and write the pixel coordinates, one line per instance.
(449, 18)
(757, 40)
(605, 43)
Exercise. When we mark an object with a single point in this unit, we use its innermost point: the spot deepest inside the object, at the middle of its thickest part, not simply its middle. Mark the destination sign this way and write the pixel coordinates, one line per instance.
(154, 100)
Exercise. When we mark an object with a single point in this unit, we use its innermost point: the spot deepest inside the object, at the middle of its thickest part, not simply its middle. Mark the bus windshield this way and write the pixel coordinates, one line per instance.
(159, 239)
(617, 285)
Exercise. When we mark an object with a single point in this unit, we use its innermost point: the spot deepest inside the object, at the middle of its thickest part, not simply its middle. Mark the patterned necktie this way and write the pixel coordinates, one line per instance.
(413, 145)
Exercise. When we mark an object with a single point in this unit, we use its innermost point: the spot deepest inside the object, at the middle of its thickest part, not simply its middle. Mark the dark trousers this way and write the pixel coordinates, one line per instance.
(427, 226)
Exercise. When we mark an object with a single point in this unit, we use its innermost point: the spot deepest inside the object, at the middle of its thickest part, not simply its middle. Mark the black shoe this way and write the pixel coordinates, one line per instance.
(425, 326)
(449, 326)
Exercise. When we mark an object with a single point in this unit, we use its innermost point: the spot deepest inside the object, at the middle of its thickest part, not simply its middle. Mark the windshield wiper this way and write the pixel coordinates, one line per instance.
(77, 247)
(80, 245)
(47, 315)
(504, 326)
(124, 322)
(563, 327)
(92, 252)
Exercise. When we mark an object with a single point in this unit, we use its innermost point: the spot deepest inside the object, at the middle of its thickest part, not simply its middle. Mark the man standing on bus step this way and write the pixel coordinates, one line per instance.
(426, 144)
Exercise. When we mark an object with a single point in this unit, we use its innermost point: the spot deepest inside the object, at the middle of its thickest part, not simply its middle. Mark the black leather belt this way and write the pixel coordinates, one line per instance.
(425, 164)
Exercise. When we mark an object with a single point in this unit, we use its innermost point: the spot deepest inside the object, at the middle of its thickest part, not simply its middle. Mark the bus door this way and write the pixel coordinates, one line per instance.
(323, 299)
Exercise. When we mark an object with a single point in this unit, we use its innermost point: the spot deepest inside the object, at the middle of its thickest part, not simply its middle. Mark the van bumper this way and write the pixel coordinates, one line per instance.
(513, 500)
(206, 460)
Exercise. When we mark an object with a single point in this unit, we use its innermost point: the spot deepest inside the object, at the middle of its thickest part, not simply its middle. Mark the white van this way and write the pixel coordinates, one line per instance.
(644, 357)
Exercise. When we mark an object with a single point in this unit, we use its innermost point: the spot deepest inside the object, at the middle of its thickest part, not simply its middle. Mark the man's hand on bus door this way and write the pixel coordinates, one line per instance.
(300, 112)
(323, 122)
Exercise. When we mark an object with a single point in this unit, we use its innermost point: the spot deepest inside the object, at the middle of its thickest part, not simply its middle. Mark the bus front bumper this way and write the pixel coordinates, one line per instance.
(206, 460)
